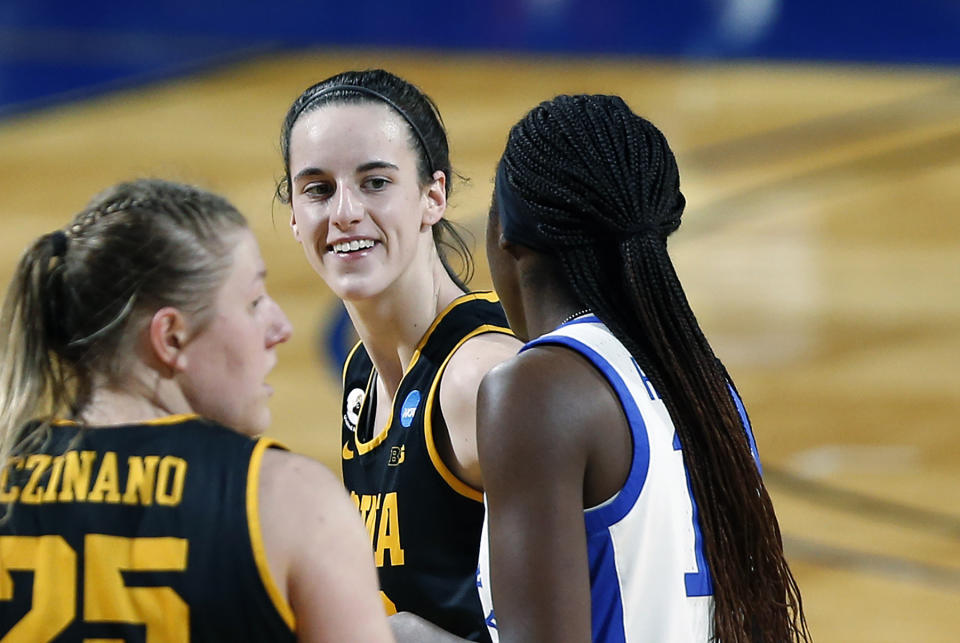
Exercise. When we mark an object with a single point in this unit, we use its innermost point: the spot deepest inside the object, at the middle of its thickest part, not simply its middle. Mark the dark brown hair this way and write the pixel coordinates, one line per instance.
(427, 134)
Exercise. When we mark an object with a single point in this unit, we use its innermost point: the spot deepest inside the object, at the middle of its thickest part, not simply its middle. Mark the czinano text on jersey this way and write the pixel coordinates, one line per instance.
(40, 478)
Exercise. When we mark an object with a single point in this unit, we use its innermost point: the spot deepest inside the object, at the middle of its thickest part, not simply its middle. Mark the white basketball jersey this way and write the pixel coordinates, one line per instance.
(648, 577)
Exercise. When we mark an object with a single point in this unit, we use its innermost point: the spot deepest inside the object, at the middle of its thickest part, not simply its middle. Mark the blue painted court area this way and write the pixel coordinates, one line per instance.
(57, 50)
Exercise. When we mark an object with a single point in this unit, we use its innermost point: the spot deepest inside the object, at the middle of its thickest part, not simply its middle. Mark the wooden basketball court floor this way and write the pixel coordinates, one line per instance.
(820, 249)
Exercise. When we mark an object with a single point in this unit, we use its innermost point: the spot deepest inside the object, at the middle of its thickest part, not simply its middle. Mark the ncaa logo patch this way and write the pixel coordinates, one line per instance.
(354, 404)
(409, 409)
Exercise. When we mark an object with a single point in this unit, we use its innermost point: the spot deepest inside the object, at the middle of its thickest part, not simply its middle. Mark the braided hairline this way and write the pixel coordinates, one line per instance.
(91, 216)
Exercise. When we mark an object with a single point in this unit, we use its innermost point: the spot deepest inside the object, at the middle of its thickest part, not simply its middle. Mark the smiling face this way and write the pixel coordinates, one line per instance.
(357, 207)
(227, 361)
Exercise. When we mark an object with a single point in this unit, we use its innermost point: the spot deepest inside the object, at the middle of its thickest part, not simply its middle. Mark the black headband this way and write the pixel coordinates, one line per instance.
(525, 231)
(370, 92)
(517, 228)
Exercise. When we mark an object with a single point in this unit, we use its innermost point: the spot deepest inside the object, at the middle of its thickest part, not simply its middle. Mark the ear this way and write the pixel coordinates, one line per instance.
(436, 196)
(293, 224)
(168, 337)
(495, 230)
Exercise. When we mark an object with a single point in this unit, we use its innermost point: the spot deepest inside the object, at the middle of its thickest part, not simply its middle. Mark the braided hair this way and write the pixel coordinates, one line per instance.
(599, 190)
(427, 134)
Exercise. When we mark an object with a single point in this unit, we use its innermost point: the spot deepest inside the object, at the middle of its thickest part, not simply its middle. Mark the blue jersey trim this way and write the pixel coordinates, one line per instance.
(599, 518)
(746, 426)
(606, 613)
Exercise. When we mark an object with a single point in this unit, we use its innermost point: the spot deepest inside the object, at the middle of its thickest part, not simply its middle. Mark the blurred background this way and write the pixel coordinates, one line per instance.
(819, 150)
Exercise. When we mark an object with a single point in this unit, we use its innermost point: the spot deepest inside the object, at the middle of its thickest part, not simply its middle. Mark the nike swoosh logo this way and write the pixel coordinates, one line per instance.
(347, 453)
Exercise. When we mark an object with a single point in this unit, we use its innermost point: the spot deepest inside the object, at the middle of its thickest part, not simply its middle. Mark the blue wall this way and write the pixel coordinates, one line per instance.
(919, 31)
(55, 48)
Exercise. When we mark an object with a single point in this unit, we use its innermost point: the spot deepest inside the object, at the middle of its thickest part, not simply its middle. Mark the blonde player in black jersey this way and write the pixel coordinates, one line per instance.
(367, 176)
(140, 503)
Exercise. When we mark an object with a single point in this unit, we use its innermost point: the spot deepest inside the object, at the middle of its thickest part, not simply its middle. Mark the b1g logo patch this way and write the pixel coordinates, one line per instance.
(409, 409)
(354, 404)
(397, 455)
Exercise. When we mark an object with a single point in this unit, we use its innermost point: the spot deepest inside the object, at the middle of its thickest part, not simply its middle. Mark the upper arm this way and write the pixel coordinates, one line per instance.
(318, 551)
(458, 399)
(536, 422)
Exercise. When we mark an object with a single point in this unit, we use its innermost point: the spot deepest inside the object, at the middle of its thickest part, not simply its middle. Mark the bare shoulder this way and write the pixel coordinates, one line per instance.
(458, 400)
(475, 357)
(304, 507)
(285, 472)
(548, 394)
(542, 377)
(314, 541)
(463, 373)
(298, 493)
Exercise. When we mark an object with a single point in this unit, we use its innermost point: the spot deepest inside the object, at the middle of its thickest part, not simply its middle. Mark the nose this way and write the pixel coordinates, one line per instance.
(280, 328)
(347, 211)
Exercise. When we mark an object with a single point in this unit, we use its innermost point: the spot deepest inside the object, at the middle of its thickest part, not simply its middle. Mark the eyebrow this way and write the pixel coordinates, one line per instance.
(376, 165)
(365, 167)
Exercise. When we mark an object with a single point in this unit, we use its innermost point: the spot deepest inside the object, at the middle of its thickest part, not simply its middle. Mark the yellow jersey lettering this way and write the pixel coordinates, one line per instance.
(53, 604)
(107, 486)
(53, 484)
(368, 511)
(171, 474)
(388, 534)
(106, 597)
(76, 475)
(149, 480)
(37, 463)
(141, 480)
(381, 517)
(9, 494)
(159, 611)
(388, 606)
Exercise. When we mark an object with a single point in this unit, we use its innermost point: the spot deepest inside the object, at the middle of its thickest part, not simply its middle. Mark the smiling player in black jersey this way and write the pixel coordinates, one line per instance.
(367, 176)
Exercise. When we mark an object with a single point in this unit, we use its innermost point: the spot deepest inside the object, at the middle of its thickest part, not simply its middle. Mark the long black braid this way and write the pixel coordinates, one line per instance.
(603, 191)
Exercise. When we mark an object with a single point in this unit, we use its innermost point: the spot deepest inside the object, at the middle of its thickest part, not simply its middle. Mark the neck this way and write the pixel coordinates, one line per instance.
(109, 407)
(546, 298)
(144, 395)
(392, 324)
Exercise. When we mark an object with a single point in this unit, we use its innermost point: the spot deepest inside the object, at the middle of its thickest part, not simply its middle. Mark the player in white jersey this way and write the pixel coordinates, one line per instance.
(652, 508)
(624, 502)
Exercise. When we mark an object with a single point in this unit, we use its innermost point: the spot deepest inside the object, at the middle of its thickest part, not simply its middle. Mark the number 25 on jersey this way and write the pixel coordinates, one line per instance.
(55, 568)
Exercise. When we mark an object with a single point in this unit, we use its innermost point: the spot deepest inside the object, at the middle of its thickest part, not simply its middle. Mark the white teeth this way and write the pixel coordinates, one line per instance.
(353, 246)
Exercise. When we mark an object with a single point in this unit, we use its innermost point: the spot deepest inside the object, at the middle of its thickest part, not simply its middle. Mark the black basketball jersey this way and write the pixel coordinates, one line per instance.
(424, 523)
(142, 533)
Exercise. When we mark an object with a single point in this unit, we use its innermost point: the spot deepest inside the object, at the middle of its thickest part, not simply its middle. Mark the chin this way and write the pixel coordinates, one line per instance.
(259, 428)
(254, 427)
(357, 291)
